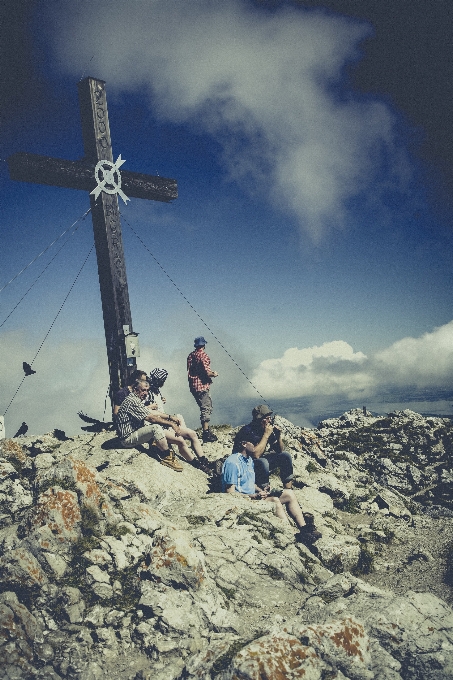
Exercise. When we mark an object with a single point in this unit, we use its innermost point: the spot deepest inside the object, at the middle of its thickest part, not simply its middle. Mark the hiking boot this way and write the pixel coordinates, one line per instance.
(309, 519)
(308, 535)
(208, 436)
(202, 464)
(172, 462)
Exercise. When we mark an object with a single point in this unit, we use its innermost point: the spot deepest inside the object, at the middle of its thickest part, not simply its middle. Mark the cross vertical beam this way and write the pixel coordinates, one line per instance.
(80, 174)
(107, 233)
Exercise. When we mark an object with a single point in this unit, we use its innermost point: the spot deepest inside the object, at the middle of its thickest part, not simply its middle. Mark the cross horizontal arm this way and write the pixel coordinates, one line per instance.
(28, 167)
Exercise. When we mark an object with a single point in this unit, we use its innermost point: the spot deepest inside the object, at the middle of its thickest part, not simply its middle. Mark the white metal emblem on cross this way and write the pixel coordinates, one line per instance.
(108, 178)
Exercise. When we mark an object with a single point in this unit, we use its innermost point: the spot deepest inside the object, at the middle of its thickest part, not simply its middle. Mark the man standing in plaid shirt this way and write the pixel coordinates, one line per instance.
(199, 375)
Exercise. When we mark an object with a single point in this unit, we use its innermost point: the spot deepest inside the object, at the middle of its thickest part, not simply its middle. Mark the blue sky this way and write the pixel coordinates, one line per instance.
(312, 233)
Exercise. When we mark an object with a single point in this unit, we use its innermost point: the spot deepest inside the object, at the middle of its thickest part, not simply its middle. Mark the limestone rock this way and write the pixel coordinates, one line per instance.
(20, 569)
(132, 570)
(174, 561)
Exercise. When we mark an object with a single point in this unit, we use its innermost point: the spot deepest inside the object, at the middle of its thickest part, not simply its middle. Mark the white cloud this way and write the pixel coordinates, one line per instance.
(331, 369)
(72, 376)
(425, 362)
(336, 370)
(265, 84)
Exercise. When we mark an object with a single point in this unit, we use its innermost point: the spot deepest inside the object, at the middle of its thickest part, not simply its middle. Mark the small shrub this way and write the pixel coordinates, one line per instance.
(350, 504)
(247, 517)
(90, 520)
(365, 564)
(222, 663)
(335, 564)
(130, 584)
(311, 467)
(228, 592)
(117, 530)
(274, 573)
(66, 484)
(196, 520)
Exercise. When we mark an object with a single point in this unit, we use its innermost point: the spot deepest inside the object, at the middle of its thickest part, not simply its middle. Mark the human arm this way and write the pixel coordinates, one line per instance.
(261, 446)
(206, 362)
(232, 490)
(260, 493)
(163, 419)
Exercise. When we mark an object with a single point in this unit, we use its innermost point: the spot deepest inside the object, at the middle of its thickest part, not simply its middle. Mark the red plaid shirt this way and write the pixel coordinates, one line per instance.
(198, 365)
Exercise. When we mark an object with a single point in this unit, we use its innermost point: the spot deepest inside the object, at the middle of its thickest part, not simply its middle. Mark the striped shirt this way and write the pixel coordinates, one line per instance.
(130, 416)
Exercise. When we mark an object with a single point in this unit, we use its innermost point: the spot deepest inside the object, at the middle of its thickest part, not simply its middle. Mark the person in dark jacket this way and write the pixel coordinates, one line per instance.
(268, 453)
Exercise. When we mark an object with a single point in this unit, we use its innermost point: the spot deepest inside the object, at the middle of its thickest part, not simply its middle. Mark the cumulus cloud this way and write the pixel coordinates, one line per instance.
(267, 85)
(334, 369)
(310, 382)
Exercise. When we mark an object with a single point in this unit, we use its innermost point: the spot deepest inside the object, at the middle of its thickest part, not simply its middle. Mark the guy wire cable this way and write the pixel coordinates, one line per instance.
(192, 307)
(51, 325)
(195, 311)
(199, 316)
(45, 268)
(46, 249)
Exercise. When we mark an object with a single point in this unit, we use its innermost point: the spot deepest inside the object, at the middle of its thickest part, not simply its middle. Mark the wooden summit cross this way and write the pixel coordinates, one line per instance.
(98, 174)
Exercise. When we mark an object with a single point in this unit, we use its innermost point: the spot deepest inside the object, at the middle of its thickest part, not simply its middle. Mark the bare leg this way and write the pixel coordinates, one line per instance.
(293, 508)
(186, 432)
(162, 444)
(192, 435)
(279, 511)
(181, 444)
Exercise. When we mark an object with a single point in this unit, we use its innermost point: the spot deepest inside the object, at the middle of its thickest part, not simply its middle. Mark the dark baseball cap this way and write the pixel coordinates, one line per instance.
(261, 411)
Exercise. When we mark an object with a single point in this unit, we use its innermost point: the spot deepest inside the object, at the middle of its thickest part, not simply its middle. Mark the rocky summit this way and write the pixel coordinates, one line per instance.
(114, 566)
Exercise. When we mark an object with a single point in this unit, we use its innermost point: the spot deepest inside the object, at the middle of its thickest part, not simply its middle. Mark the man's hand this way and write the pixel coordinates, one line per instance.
(260, 495)
(268, 429)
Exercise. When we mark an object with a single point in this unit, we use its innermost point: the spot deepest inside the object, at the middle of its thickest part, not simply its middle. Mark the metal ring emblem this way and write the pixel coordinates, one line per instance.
(108, 178)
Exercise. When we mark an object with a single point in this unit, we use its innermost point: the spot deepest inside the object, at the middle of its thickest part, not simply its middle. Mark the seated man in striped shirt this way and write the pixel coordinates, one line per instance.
(238, 477)
(136, 424)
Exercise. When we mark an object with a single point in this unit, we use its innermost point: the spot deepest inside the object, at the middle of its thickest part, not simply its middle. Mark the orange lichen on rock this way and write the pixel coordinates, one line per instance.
(85, 479)
(11, 449)
(348, 638)
(276, 657)
(342, 641)
(59, 509)
(20, 567)
(174, 560)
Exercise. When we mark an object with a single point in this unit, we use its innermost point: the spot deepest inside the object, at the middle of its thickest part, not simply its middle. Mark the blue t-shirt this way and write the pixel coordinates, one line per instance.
(239, 470)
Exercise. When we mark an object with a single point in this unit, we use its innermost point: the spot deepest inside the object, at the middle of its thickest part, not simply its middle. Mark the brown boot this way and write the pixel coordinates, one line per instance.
(309, 519)
(172, 462)
(308, 534)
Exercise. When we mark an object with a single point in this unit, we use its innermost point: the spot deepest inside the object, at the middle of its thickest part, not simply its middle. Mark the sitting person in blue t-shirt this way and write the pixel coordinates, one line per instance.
(238, 477)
